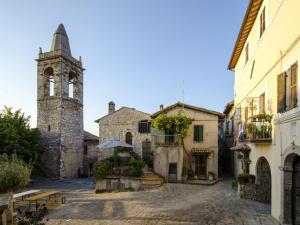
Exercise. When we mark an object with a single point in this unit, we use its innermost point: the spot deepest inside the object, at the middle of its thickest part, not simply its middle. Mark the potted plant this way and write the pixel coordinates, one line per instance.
(250, 127)
(190, 174)
(211, 175)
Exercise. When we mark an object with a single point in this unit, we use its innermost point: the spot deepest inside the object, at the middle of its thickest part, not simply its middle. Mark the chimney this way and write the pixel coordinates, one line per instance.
(161, 107)
(111, 107)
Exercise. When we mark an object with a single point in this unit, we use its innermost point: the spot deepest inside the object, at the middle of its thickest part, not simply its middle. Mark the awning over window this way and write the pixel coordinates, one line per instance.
(201, 151)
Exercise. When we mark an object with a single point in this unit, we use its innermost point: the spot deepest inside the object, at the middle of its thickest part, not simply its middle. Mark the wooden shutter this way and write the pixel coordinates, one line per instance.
(201, 132)
(281, 92)
(198, 133)
(246, 113)
(262, 103)
(293, 87)
(262, 20)
(247, 53)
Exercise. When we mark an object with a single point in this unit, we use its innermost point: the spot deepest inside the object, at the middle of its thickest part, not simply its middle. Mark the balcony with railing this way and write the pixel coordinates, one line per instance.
(167, 140)
(257, 129)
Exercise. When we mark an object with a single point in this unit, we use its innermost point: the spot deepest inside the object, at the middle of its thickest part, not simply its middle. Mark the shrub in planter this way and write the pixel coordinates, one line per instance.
(135, 168)
(102, 169)
(243, 178)
(251, 178)
(14, 173)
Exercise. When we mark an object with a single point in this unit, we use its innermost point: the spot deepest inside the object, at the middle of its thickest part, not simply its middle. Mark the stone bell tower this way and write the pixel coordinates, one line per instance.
(60, 108)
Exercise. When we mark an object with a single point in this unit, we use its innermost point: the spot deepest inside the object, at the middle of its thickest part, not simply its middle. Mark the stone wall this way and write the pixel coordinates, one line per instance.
(248, 191)
(115, 126)
(90, 158)
(118, 184)
(163, 156)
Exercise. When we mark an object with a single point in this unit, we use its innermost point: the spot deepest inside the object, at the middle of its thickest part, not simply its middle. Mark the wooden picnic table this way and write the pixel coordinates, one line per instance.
(48, 194)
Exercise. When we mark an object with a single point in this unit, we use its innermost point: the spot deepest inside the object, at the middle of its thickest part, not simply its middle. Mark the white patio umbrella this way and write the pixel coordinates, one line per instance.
(113, 144)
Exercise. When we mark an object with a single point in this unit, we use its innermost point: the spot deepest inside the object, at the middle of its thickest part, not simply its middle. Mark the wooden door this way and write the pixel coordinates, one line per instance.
(128, 138)
(296, 192)
(201, 165)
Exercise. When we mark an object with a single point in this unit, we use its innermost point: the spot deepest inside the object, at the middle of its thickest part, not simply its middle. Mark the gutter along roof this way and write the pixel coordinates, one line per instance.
(249, 19)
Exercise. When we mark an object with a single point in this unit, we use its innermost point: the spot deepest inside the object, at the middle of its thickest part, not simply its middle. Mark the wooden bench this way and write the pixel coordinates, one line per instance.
(50, 195)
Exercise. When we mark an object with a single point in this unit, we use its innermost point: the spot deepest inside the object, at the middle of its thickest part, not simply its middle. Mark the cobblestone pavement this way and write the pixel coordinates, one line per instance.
(180, 204)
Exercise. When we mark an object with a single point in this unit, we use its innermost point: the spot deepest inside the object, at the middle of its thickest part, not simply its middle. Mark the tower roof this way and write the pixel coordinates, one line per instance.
(60, 40)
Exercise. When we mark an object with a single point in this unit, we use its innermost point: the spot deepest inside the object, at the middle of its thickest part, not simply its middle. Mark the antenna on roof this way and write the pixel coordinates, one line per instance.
(182, 94)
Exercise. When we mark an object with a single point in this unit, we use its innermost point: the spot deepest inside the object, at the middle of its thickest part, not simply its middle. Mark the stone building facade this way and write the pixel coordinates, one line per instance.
(201, 147)
(128, 125)
(60, 108)
(265, 62)
(90, 153)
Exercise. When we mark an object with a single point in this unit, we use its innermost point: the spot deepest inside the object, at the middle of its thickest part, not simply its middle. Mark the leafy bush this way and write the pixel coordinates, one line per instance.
(115, 160)
(14, 174)
(177, 124)
(243, 178)
(16, 136)
(135, 168)
(102, 169)
(251, 178)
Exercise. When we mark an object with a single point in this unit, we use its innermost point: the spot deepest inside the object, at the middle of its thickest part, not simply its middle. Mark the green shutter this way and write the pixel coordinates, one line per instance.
(198, 133)
(201, 133)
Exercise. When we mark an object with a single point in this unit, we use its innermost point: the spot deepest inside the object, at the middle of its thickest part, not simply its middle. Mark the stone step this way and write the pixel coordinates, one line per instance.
(151, 186)
(152, 179)
(152, 182)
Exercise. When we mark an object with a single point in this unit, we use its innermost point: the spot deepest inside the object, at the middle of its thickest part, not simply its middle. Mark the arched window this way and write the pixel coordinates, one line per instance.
(50, 82)
(128, 138)
(72, 85)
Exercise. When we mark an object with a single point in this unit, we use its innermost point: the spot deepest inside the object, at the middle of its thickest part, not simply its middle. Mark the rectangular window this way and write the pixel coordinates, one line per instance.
(293, 87)
(246, 53)
(145, 126)
(262, 22)
(85, 150)
(262, 103)
(198, 133)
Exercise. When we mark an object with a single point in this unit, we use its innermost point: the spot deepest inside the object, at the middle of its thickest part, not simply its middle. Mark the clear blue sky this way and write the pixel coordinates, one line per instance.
(136, 52)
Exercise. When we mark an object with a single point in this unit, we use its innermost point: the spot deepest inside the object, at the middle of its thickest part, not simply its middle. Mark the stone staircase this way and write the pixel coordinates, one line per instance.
(151, 180)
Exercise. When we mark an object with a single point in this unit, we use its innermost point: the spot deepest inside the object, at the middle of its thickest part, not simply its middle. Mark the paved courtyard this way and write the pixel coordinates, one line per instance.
(171, 204)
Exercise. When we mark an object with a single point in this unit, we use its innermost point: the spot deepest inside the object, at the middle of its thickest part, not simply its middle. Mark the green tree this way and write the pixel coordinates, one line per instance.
(174, 124)
(16, 136)
(177, 124)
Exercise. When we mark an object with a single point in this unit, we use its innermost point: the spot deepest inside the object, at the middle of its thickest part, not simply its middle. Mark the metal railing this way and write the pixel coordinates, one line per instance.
(167, 140)
(257, 130)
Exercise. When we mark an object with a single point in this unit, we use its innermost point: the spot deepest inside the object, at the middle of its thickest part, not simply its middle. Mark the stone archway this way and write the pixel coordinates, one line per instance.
(264, 180)
(291, 185)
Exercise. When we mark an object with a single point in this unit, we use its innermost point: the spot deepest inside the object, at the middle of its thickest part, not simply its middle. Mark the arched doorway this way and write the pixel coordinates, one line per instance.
(128, 138)
(296, 191)
(264, 180)
(291, 184)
